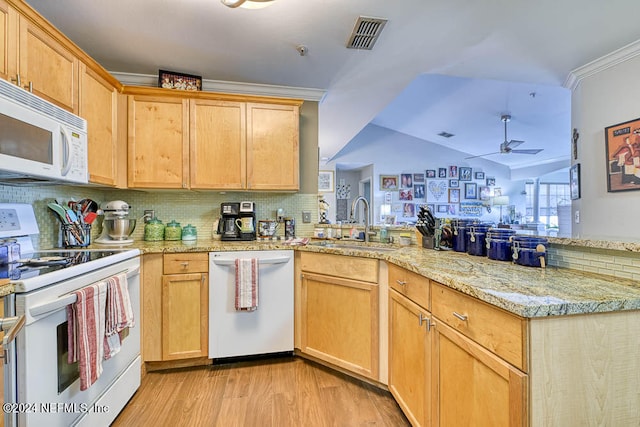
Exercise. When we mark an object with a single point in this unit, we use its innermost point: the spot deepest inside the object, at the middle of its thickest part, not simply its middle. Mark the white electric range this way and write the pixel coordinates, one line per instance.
(40, 386)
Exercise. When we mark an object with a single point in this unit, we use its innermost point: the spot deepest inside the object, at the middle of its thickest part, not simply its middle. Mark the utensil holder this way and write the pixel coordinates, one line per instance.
(75, 235)
(428, 241)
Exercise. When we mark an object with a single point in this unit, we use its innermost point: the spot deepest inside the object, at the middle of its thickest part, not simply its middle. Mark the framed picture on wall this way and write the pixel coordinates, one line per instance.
(470, 190)
(479, 175)
(465, 174)
(325, 181)
(453, 171)
(430, 173)
(454, 195)
(574, 181)
(491, 181)
(389, 182)
(418, 178)
(621, 147)
(454, 183)
(442, 172)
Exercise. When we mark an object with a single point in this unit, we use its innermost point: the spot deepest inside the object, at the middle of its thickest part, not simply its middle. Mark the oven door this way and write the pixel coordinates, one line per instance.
(47, 386)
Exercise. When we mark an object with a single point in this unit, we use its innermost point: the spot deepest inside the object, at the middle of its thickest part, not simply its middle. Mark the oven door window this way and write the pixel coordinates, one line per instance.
(67, 372)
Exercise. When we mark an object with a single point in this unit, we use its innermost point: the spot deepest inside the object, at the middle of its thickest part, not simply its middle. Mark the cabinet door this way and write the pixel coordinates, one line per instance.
(340, 322)
(8, 41)
(98, 101)
(158, 142)
(473, 386)
(273, 153)
(217, 141)
(185, 316)
(48, 66)
(410, 358)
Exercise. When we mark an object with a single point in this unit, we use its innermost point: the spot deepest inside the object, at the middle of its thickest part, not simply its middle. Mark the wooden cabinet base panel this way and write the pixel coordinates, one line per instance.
(174, 364)
(340, 369)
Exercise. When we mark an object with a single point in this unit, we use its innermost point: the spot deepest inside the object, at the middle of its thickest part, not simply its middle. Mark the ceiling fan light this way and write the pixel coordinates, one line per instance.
(247, 4)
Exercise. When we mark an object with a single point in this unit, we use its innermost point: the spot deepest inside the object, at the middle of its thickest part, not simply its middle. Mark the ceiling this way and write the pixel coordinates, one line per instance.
(452, 66)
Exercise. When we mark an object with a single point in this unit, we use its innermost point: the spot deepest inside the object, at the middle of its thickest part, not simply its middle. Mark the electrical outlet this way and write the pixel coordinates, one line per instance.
(306, 217)
(280, 215)
(148, 214)
(577, 217)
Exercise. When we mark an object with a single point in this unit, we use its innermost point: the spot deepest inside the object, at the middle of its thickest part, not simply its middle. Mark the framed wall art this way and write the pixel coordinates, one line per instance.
(470, 190)
(180, 81)
(453, 171)
(491, 181)
(465, 174)
(418, 178)
(622, 149)
(325, 181)
(430, 173)
(389, 182)
(479, 175)
(454, 195)
(454, 183)
(406, 180)
(574, 181)
(442, 172)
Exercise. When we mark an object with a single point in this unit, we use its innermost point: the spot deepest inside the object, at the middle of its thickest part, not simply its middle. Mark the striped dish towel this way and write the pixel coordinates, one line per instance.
(119, 313)
(85, 319)
(246, 284)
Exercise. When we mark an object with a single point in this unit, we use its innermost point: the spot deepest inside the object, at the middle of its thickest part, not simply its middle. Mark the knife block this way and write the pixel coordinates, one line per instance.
(428, 241)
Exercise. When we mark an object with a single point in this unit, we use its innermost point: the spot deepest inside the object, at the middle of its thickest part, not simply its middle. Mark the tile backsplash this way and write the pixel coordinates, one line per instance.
(200, 209)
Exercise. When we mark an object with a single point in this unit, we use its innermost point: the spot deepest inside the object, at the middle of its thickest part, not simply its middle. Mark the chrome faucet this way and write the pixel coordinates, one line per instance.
(366, 215)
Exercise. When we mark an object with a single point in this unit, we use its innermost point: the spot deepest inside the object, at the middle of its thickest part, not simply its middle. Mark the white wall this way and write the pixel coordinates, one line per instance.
(606, 98)
(394, 153)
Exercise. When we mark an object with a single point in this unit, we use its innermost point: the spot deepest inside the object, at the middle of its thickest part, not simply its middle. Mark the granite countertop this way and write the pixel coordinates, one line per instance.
(525, 291)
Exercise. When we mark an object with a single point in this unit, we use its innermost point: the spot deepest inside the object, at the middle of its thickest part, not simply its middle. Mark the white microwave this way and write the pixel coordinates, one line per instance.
(39, 141)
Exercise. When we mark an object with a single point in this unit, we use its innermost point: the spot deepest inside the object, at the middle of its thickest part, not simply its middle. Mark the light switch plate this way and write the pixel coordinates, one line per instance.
(306, 217)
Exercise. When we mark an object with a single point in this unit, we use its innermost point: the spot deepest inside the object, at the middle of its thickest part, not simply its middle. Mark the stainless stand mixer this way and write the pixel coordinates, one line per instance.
(116, 226)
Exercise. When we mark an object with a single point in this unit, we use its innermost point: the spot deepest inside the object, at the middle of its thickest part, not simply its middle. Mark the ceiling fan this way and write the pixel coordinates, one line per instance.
(508, 145)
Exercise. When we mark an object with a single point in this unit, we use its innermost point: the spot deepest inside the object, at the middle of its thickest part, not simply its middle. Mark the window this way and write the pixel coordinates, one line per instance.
(550, 195)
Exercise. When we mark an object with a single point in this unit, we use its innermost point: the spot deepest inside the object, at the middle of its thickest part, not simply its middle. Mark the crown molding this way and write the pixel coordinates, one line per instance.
(307, 94)
(610, 60)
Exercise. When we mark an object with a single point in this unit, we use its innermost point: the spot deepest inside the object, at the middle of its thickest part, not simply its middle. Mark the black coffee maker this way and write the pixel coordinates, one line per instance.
(237, 221)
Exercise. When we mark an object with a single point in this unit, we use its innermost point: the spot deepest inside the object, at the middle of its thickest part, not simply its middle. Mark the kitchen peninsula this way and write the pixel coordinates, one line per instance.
(555, 340)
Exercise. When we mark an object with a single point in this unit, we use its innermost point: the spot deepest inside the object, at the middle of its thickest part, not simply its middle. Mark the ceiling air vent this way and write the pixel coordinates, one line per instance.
(365, 32)
(445, 134)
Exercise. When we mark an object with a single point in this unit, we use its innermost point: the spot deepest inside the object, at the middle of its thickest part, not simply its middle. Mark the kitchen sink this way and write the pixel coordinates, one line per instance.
(351, 245)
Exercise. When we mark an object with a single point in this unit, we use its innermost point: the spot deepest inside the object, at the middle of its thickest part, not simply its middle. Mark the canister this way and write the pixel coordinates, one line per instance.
(459, 238)
(173, 231)
(154, 230)
(189, 233)
(499, 244)
(529, 251)
(476, 239)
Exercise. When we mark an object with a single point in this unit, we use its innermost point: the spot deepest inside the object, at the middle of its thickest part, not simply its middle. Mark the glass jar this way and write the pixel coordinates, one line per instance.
(172, 231)
(189, 232)
(154, 230)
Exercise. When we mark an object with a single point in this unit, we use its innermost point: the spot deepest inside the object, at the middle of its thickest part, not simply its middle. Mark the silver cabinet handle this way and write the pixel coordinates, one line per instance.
(401, 282)
(184, 264)
(462, 317)
(422, 318)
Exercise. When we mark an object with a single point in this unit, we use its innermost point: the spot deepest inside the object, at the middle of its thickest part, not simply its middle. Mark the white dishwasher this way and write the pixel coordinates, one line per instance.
(269, 328)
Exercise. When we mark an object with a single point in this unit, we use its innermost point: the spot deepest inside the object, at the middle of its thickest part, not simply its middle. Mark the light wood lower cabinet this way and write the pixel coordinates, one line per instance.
(410, 358)
(339, 321)
(473, 386)
(175, 300)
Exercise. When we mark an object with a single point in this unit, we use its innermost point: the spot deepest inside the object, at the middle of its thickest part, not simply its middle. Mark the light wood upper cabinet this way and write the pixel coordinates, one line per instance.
(217, 143)
(158, 142)
(8, 41)
(273, 152)
(98, 105)
(48, 66)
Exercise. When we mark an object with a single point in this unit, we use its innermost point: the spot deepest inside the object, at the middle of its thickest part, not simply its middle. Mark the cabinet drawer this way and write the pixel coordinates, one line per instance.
(179, 263)
(348, 267)
(410, 284)
(497, 330)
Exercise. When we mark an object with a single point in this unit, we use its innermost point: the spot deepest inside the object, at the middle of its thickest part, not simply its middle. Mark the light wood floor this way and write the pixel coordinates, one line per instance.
(281, 392)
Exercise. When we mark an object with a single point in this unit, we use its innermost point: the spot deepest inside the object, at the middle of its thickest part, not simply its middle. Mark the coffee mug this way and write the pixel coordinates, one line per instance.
(245, 224)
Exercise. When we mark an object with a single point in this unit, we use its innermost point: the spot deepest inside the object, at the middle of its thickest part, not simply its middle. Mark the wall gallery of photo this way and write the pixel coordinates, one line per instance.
(448, 191)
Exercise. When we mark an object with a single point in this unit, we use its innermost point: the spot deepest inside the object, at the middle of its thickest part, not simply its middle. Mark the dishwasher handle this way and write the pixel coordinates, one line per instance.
(232, 261)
